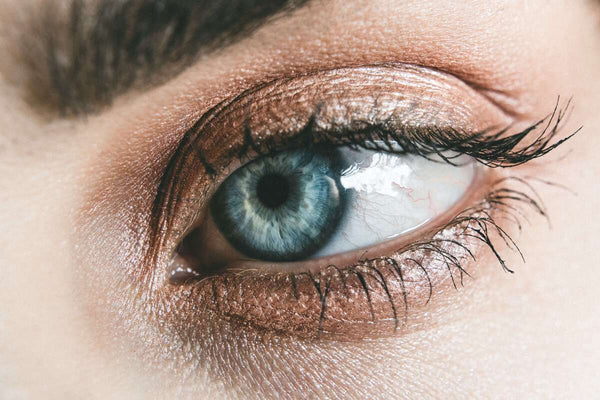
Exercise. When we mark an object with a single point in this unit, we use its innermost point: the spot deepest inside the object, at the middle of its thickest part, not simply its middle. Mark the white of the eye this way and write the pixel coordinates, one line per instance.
(391, 195)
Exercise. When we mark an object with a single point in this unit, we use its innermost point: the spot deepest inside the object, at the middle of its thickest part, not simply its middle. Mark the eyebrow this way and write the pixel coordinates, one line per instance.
(97, 50)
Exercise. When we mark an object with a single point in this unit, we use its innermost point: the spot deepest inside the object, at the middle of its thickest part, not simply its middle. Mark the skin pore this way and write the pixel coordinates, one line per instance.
(76, 191)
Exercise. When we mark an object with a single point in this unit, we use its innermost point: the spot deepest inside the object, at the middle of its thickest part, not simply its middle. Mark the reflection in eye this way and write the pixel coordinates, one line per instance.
(320, 202)
(394, 194)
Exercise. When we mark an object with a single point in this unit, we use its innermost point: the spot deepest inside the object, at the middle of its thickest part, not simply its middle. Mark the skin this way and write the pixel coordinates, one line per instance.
(531, 334)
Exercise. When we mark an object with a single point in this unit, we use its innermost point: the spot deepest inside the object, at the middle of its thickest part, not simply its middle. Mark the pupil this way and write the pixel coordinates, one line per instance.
(273, 190)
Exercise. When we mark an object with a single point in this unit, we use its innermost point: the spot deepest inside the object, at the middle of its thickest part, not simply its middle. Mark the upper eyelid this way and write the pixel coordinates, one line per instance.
(245, 103)
(499, 147)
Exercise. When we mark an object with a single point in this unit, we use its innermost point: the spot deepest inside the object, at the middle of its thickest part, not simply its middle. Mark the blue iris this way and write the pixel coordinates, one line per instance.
(282, 207)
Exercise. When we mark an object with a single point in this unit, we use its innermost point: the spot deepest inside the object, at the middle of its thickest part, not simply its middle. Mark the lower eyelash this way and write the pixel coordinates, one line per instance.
(449, 246)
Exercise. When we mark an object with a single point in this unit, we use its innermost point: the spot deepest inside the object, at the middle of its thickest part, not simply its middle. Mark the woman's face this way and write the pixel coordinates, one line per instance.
(299, 199)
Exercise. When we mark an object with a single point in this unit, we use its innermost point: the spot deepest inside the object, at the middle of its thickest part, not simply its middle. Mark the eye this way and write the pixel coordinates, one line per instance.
(354, 200)
(309, 203)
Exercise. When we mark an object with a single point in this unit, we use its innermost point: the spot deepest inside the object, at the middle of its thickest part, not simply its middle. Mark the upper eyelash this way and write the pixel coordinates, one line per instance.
(492, 149)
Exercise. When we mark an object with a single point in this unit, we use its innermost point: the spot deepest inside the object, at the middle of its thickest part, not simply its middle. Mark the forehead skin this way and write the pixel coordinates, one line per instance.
(528, 335)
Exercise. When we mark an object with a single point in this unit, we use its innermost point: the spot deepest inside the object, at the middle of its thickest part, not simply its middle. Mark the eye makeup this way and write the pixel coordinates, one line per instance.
(409, 100)
(390, 109)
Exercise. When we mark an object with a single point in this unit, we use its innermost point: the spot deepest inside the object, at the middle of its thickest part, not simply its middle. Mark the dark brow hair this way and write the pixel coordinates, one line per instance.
(97, 50)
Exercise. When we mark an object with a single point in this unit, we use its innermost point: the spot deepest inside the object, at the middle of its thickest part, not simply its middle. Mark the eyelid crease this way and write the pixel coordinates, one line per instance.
(507, 103)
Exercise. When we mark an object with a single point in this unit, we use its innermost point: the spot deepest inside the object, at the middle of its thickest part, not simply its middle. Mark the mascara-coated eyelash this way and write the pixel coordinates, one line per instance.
(491, 147)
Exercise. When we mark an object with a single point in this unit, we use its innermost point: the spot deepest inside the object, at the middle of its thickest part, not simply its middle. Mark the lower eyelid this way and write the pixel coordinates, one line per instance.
(380, 296)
